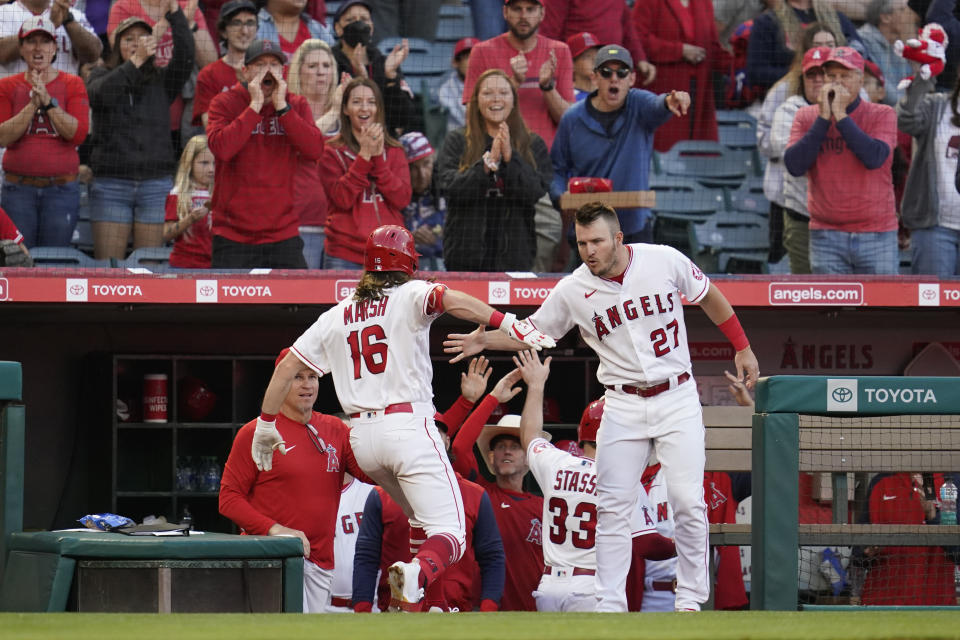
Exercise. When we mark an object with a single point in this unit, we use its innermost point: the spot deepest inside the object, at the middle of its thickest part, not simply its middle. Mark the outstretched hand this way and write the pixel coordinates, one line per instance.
(465, 344)
(504, 391)
(678, 102)
(473, 382)
(533, 372)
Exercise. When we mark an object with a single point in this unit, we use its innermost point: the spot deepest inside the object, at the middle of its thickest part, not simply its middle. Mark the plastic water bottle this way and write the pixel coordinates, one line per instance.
(948, 502)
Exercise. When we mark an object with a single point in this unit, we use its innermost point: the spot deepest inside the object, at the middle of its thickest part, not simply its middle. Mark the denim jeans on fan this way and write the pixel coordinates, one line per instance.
(340, 264)
(854, 252)
(128, 201)
(935, 251)
(313, 246)
(46, 216)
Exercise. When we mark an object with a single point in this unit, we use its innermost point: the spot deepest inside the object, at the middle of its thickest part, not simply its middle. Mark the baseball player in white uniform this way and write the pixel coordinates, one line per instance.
(569, 488)
(375, 343)
(353, 497)
(626, 302)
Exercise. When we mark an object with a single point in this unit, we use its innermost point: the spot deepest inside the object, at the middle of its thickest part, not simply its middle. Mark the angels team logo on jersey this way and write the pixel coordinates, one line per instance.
(697, 274)
(540, 446)
(333, 462)
(647, 520)
(716, 497)
(536, 533)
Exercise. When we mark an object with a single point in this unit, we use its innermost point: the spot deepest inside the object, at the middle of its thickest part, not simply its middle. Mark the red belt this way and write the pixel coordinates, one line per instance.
(664, 585)
(341, 602)
(577, 571)
(649, 392)
(400, 407)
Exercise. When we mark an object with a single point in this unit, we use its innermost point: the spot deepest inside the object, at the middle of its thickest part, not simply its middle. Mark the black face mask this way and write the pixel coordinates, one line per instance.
(356, 33)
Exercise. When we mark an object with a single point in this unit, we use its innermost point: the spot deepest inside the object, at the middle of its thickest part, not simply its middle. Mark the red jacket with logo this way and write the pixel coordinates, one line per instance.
(301, 491)
(361, 196)
(257, 155)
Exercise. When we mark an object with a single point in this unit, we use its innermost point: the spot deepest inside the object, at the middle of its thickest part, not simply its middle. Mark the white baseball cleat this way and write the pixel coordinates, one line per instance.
(405, 589)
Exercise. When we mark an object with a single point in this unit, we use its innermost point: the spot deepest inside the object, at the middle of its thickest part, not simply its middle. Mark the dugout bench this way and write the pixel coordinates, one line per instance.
(96, 571)
(836, 425)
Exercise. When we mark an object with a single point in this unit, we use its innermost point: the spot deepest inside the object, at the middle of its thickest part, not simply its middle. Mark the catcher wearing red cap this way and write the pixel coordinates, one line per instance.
(375, 344)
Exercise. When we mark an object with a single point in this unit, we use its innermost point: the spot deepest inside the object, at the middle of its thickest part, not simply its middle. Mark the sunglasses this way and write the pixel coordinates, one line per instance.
(607, 72)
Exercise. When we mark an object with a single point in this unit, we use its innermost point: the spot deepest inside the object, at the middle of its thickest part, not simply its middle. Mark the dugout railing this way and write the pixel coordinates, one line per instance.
(839, 425)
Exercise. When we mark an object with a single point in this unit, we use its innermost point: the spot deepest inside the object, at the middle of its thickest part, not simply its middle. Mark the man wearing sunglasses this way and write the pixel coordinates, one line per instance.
(610, 135)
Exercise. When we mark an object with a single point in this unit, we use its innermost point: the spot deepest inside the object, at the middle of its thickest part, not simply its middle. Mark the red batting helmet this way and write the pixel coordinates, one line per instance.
(391, 248)
(590, 422)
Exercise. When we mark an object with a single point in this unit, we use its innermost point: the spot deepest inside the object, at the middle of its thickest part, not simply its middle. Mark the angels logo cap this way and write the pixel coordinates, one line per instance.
(259, 48)
(580, 42)
(33, 24)
(814, 58)
(848, 57)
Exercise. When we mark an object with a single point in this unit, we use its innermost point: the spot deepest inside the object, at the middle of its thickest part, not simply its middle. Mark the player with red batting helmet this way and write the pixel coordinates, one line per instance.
(376, 345)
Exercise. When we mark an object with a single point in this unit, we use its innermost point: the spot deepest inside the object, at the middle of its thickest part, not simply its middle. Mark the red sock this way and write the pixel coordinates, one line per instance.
(654, 546)
(434, 597)
(436, 554)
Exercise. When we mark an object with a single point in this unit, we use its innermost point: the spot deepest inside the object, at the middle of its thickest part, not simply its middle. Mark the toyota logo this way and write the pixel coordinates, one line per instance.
(76, 289)
(207, 291)
(499, 293)
(842, 394)
(928, 294)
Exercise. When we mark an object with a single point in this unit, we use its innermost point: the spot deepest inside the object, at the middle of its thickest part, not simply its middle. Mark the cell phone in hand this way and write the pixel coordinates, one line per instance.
(928, 490)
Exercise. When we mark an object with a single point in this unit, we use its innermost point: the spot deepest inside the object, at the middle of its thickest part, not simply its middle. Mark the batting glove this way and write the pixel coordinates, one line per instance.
(266, 438)
(525, 332)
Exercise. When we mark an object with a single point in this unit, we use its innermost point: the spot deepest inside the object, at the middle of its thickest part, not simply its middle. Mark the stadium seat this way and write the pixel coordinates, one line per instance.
(707, 162)
(738, 136)
(714, 242)
(455, 23)
(65, 257)
(733, 116)
(749, 197)
(153, 258)
(427, 61)
(680, 203)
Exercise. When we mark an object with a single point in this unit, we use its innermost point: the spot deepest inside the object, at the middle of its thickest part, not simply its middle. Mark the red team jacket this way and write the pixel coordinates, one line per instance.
(905, 575)
(361, 196)
(302, 491)
(256, 158)
(518, 517)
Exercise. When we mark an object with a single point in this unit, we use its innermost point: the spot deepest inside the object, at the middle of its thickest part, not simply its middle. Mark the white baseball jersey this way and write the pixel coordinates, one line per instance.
(637, 328)
(569, 485)
(379, 351)
(353, 497)
(12, 16)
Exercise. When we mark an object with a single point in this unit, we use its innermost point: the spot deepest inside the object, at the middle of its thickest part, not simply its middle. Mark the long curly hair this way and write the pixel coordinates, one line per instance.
(373, 283)
(476, 130)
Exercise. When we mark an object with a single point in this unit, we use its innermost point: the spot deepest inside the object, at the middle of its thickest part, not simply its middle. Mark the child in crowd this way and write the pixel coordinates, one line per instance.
(188, 220)
(425, 214)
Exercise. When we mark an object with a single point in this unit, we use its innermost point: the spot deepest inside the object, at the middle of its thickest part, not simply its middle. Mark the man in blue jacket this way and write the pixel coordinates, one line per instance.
(609, 134)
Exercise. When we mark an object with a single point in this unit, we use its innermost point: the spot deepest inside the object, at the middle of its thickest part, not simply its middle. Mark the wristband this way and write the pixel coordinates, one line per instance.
(549, 86)
(496, 319)
(734, 332)
(268, 417)
(281, 112)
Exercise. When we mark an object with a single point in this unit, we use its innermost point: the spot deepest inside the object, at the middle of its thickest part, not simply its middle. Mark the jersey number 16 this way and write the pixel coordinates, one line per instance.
(368, 346)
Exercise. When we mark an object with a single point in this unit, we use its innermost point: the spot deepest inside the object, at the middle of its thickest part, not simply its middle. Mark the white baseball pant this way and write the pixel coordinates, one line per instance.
(672, 422)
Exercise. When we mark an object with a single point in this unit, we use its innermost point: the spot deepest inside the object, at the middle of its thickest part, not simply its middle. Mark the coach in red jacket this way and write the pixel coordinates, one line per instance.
(257, 133)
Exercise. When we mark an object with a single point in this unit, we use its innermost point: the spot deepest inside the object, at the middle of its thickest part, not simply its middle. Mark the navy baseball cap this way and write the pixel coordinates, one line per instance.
(259, 48)
(235, 6)
(613, 53)
(346, 5)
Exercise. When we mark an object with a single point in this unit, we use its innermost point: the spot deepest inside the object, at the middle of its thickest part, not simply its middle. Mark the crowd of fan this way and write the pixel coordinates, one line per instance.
(296, 135)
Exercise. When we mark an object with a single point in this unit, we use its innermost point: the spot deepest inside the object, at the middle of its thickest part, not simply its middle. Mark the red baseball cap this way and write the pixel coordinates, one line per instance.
(872, 68)
(580, 42)
(814, 58)
(847, 57)
(463, 45)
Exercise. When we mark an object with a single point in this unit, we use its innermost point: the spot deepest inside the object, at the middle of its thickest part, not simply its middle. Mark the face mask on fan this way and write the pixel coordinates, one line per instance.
(357, 33)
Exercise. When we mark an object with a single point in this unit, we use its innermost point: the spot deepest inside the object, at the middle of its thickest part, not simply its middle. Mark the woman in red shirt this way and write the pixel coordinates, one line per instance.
(365, 176)
(188, 220)
(44, 114)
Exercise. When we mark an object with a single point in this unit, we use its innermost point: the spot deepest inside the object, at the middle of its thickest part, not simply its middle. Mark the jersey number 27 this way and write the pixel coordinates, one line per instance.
(368, 346)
